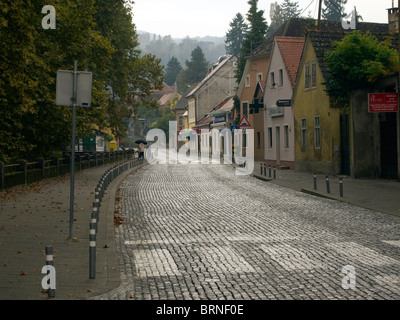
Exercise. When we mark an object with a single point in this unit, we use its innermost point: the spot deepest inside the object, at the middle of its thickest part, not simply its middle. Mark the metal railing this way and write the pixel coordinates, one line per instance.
(24, 172)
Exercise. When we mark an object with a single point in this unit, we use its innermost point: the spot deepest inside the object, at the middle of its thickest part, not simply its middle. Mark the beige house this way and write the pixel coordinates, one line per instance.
(219, 84)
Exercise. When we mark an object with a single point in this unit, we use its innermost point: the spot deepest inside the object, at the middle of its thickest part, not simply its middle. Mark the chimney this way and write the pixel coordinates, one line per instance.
(393, 20)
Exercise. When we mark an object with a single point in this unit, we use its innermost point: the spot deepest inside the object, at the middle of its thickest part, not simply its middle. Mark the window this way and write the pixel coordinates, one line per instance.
(248, 81)
(273, 84)
(314, 75)
(307, 76)
(304, 133)
(286, 128)
(180, 121)
(192, 109)
(317, 132)
(310, 75)
(280, 77)
(270, 138)
(245, 107)
(259, 77)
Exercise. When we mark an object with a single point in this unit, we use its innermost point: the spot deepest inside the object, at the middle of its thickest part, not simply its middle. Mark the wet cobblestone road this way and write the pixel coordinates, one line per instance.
(194, 232)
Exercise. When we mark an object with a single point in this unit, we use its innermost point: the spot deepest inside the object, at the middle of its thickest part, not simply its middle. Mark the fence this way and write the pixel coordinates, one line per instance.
(105, 180)
(24, 172)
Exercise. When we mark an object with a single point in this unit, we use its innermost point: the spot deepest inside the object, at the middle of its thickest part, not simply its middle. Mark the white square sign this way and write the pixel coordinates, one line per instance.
(64, 88)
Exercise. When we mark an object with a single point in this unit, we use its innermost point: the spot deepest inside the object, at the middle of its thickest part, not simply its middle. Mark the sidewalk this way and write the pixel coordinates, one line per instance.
(35, 216)
(375, 194)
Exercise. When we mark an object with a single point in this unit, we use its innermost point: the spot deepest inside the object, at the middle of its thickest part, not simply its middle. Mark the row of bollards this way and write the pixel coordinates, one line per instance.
(328, 186)
(104, 182)
(263, 170)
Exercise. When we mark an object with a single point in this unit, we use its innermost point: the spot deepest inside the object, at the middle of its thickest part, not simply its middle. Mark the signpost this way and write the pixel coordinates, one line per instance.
(383, 102)
(284, 103)
(67, 94)
(244, 123)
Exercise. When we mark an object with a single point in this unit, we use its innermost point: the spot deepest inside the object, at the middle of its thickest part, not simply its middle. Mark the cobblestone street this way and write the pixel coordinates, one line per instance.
(195, 232)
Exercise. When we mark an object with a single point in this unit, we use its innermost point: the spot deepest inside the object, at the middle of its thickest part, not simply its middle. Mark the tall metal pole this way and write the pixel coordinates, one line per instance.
(74, 98)
(319, 13)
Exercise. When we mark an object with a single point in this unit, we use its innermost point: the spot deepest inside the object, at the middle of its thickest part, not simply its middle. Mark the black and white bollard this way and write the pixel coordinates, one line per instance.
(274, 173)
(328, 188)
(92, 251)
(315, 182)
(341, 187)
(95, 217)
(51, 291)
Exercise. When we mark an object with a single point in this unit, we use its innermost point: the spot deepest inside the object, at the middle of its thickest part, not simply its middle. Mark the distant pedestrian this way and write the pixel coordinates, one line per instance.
(141, 151)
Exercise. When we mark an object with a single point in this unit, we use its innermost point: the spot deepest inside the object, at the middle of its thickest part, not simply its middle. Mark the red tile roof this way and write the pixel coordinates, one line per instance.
(291, 49)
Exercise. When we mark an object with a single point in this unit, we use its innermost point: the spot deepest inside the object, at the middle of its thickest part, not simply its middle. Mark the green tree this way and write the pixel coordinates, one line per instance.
(333, 10)
(357, 62)
(256, 34)
(101, 37)
(130, 75)
(280, 13)
(167, 116)
(235, 36)
(30, 124)
(197, 66)
(195, 71)
(277, 18)
(290, 9)
(172, 71)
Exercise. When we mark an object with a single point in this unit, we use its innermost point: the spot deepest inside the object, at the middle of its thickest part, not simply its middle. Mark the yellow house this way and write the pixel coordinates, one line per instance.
(317, 123)
(323, 130)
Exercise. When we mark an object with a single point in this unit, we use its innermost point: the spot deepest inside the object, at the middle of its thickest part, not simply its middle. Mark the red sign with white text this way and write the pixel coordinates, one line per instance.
(383, 102)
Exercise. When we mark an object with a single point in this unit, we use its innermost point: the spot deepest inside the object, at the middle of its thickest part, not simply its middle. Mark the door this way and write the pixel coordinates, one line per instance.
(344, 144)
(389, 146)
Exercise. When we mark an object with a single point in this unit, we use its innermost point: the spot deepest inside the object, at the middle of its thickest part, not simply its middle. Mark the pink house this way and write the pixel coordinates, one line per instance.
(279, 121)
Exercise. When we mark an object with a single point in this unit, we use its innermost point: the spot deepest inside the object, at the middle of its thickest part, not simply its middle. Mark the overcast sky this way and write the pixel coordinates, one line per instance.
(181, 18)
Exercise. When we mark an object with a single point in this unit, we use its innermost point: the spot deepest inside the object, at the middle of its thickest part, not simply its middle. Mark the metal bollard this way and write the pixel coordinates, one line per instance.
(328, 188)
(315, 182)
(96, 204)
(97, 193)
(49, 262)
(274, 173)
(261, 168)
(265, 170)
(269, 171)
(92, 252)
(95, 217)
(341, 187)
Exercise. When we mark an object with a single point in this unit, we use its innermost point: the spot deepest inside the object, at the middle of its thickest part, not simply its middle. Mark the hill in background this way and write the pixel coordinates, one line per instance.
(166, 47)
